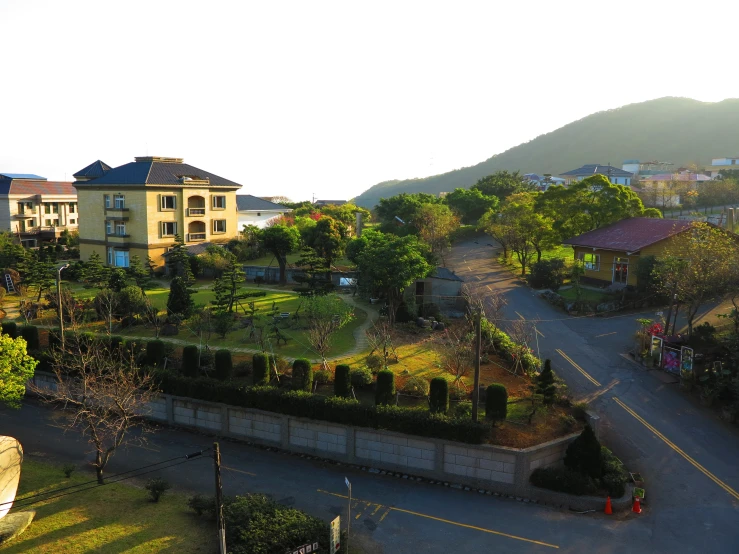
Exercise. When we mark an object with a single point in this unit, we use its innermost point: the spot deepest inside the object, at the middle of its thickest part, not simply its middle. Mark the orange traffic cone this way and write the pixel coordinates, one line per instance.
(636, 508)
(609, 510)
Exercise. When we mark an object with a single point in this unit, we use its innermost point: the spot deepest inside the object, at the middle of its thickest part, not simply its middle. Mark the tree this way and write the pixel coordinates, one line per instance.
(327, 239)
(435, 224)
(456, 354)
(280, 241)
(470, 204)
(152, 316)
(502, 184)
(584, 454)
(397, 214)
(346, 214)
(325, 316)
(697, 266)
(16, 368)
(138, 273)
(178, 262)
(388, 264)
(94, 273)
(117, 280)
(545, 383)
(342, 381)
(226, 286)
(103, 393)
(180, 303)
(380, 338)
(385, 388)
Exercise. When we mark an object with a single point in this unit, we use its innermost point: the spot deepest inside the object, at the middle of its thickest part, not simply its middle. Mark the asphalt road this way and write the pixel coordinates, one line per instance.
(692, 506)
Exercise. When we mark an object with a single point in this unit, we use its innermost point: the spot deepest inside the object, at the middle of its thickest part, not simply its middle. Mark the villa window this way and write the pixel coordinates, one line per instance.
(219, 226)
(169, 228)
(219, 202)
(72, 207)
(120, 228)
(168, 202)
(591, 262)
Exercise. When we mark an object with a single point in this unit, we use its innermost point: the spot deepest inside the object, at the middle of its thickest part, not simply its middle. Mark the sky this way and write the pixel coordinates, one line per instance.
(303, 98)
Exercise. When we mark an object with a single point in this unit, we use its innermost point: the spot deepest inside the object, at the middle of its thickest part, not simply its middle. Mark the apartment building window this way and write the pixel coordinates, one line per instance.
(73, 207)
(219, 202)
(120, 228)
(51, 208)
(219, 226)
(119, 201)
(169, 228)
(73, 222)
(110, 256)
(24, 207)
(107, 200)
(169, 202)
(121, 258)
(108, 227)
(50, 222)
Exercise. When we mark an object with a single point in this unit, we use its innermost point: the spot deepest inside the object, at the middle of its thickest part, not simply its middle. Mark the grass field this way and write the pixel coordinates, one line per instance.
(112, 519)
(586, 295)
(560, 251)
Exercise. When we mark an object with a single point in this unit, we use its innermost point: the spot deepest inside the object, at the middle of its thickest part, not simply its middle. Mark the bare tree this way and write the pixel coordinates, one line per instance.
(325, 316)
(152, 316)
(380, 338)
(523, 336)
(104, 393)
(456, 354)
(491, 305)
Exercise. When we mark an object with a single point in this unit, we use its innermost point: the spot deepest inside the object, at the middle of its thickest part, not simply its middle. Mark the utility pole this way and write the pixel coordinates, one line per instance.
(349, 513)
(219, 500)
(478, 353)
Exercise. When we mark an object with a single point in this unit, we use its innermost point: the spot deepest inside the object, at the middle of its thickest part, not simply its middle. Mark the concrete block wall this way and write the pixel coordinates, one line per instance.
(484, 464)
(157, 409)
(197, 414)
(547, 456)
(255, 425)
(395, 449)
(323, 438)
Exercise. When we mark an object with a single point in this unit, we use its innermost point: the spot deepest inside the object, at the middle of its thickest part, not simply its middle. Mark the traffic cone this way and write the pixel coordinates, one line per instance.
(609, 510)
(636, 508)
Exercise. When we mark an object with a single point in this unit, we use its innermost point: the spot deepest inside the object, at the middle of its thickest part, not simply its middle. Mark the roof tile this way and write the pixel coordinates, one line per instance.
(630, 235)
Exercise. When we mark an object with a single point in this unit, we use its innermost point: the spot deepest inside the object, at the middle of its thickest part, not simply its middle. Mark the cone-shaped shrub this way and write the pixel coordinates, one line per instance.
(190, 361)
(545, 383)
(496, 402)
(9, 328)
(154, 353)
(302, 375)
(116, 343)
(342, 383)
(30, 333)
(385, 389)
(224, 365)
(260, 373)
(584, 454)
(439, 395)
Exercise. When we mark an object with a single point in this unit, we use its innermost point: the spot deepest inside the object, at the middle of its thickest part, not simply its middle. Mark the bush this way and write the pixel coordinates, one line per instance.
(322, 376)
(496, 402)
(374, 363)
(562, 479)
(155, 352)
(547, 274)
(385, 390)
(439, 396)
(462, 410)
(116, 343)
(223, 365)
(584, 454)
(157, 487)
(68, 470)
(260, 373)
(190, 361)
(545, 383)
(202, 504)
(429, 310)
(415, 386)
(342, 381)
(9, 328)
(361, 377)
(302, 375)
(404, 314)
(30, 334)
(615, 475)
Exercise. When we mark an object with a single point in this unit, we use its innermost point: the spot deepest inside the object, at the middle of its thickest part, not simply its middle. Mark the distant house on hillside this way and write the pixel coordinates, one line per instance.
(544, 181)
(321, 203)
(718, 164)
(611, 254)
(257, 211)
(615, 175)
(660, 191)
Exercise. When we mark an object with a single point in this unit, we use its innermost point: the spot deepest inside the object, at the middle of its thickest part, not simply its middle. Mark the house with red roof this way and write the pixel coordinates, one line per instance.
(611, 254)
(36, 210)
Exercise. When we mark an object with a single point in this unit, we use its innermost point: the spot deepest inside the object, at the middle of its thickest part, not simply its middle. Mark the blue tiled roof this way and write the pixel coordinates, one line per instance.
(93, 171)
(23, 176)
(249, 203)
(146, 172)
(598, 169)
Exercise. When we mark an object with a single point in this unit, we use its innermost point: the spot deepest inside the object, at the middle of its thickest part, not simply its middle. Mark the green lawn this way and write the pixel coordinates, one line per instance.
(111, 519)
(560, 251)
(587, 295)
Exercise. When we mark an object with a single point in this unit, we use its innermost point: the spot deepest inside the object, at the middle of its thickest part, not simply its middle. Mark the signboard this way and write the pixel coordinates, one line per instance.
(656, 346)
(348, 484)
(686, 358)
(305, 549)
(671, 360)
(335, 536)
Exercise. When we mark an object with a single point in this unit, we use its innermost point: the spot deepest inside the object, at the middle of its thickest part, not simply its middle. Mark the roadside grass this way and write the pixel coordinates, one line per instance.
(114, 518)
(561, 251)
(586, 295)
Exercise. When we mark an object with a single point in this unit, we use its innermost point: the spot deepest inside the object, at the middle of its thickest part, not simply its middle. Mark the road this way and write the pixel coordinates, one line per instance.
(686, 454)
(692, 506)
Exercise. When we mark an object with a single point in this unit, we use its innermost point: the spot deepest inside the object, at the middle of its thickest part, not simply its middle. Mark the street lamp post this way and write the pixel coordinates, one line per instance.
(59, 302)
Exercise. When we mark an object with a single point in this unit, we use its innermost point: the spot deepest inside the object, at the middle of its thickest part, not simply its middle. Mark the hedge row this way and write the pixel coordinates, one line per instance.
(413, 421)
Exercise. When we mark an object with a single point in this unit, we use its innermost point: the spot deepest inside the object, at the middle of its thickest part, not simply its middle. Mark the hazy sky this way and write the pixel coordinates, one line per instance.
(305, 97)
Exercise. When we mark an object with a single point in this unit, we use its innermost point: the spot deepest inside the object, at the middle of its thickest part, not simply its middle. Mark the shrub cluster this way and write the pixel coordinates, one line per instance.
(547, 274)
(342, 381)
(260, 370)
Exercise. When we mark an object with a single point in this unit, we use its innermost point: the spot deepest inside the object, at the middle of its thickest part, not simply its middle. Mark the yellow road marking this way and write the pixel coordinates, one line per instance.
(238, 471)
(578, 368)
(605, 334)
(442, 520)
(377, 509)
(677, 449)
(590, 398)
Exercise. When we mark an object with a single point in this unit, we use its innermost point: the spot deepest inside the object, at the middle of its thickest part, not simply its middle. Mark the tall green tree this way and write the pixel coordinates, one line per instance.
(138, 273)
(328, 239)
(94, 273)
(16, 368)
(280, 240)
(178, 262)
(346, 214)
(226, 286)
(180, 304)
(470, 204)
(435, 224)
(405, 208)
(502, 184)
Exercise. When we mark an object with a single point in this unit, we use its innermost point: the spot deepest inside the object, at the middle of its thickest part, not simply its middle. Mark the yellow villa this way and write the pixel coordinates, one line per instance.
(139, 208)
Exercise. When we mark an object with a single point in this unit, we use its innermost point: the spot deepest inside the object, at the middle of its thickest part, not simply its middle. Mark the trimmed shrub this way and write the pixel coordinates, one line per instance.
(190, 361)
(361, 377)
(260, 373)
(547, 274)
(321, 376)
(462, 410)
(30, 334)
(496, 402)
(342, 381)
(385, 390)
(545, 383)
(9, 328)
(154, 353)
(562, 479)
(223, 365)
(439, 396)
(584, 454)
(415, 386)
(302, 375)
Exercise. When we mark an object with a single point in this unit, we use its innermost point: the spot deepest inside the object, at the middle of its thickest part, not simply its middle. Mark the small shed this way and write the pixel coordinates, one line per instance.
(443, 288)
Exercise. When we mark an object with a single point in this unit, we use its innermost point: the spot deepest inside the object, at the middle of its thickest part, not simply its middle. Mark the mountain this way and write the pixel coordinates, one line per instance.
(677, 130)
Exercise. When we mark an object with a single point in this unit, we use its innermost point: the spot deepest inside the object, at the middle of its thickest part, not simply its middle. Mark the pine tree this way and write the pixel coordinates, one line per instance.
(178, 262)
(545, 383)
(180, 303)
(138, 272)
(94, 273)
(584, 454)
